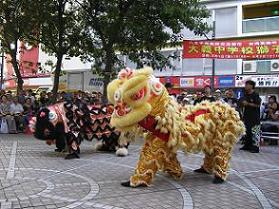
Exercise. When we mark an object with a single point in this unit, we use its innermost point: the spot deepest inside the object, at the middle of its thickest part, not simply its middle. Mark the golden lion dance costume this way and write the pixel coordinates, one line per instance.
(144, 107)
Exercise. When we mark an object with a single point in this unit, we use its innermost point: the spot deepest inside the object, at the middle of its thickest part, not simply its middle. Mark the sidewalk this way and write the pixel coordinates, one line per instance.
(32, 175)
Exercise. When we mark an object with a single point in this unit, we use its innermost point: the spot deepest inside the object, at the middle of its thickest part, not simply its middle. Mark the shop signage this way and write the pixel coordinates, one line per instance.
(241, 49)
(187, 82)
(96, 82)
(201, 82)
(174, 80)
(225, 81)
(261, 80)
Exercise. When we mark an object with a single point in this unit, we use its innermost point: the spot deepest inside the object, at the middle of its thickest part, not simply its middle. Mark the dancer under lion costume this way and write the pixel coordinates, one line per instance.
(66, 125)
(144, 107)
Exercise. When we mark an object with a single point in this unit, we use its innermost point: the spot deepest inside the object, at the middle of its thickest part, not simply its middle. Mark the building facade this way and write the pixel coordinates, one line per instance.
(233, 20)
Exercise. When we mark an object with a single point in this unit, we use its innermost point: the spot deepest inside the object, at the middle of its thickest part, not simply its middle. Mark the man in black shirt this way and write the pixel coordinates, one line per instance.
(207, 95)
(251, 102)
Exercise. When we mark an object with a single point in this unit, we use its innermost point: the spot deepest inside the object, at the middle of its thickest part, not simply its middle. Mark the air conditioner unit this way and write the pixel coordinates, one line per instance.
(274, 66)
(249, 67)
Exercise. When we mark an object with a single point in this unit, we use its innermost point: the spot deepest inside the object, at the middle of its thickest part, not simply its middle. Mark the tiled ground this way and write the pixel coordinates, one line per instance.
(32, 175)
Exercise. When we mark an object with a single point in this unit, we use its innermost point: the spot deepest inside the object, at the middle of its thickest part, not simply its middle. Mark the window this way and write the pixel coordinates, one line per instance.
(226, 22)
(225, 66)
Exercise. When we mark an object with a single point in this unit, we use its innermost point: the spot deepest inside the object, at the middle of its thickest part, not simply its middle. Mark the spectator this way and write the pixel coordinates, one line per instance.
(230, 99)
(271, 108)
(29, 111)
(49, 96)
(207, 95)
(272, 114)
(43, 99)
(6, 115)
(9, 96)
(30, 95)
(181, 97)
(17, 112)
(185, 101)
(63, 96)
(2, 92)
(251, 102)
(21, 97)
(218, 95)
(198, 98)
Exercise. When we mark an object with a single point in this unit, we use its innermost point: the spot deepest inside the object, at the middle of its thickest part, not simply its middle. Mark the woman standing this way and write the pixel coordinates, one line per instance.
(6, 115)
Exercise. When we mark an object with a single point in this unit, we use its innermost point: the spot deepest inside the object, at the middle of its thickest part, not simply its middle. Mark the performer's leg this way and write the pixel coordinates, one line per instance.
(152, 158)
(247, 138)
(221, 163)
(255, 139)
(73, 145)
(172, 166)
(60, 138)
(208, 164)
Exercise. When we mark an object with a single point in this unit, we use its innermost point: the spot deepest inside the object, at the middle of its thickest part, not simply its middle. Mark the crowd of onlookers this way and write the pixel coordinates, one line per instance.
(16, 111)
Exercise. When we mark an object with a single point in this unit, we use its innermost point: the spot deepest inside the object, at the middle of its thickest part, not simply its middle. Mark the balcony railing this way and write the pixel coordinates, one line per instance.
(265, 24)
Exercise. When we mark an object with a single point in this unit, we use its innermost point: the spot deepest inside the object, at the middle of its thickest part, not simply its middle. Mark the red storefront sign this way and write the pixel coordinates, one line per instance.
(231, 49)
(199, 82)
(175, 81)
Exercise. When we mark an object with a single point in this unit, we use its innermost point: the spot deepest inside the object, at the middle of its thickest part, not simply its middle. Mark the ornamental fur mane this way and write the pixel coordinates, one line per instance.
(143, 105)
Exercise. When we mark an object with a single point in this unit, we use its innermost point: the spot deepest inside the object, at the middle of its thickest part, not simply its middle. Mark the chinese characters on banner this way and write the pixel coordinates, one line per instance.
(261, 80)
(231, 49)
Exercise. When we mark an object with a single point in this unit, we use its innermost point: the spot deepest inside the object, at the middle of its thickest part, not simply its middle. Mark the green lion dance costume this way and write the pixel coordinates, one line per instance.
(144, 107)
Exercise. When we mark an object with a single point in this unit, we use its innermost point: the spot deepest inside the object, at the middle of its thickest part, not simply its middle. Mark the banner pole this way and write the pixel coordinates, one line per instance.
(213, 61)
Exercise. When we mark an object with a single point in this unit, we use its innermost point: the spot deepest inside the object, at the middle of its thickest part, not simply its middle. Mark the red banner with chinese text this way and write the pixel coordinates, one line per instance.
(241, 49)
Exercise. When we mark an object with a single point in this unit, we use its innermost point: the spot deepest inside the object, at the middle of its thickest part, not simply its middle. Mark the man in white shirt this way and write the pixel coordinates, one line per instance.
(17, 110)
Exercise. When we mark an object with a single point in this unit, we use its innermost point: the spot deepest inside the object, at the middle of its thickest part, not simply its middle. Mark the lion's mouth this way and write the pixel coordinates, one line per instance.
(139, 95)
(122, 109)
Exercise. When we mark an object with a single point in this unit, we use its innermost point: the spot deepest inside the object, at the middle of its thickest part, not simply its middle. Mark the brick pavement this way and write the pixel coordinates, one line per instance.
(32, 175)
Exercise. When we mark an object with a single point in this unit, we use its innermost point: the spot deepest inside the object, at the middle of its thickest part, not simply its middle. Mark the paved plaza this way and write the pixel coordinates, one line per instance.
(32, 175)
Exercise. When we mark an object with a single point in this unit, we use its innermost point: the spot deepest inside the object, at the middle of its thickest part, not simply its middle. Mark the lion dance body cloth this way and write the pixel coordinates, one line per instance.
(66, 125)
(143, 107)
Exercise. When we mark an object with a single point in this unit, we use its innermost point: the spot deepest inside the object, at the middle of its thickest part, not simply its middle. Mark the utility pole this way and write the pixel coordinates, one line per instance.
(213, 61)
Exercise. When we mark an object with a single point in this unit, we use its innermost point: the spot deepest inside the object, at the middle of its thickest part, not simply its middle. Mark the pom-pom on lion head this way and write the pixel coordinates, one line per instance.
(135, 94)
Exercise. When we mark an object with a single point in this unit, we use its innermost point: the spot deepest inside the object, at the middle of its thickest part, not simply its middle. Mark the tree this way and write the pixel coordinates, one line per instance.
(59, 32)
(136, 28)
(15, 23)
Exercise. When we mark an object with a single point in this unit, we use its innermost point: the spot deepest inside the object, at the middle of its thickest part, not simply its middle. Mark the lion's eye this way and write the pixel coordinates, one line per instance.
(52, 116)
(117, 96)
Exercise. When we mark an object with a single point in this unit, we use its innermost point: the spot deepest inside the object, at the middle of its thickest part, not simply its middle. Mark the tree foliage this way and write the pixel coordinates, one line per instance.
(136, 28)
(100, 30)
(16, 23)
(59, 32)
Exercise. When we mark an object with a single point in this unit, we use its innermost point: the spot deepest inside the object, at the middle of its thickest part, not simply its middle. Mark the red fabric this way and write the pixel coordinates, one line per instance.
(149, 123)
(235, 49)
(195, 114)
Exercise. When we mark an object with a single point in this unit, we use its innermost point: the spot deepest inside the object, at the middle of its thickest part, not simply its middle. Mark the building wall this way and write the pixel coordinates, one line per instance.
(228, 17)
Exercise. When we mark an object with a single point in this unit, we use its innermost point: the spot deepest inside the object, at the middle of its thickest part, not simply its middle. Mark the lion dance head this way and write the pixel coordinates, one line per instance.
(135, 95)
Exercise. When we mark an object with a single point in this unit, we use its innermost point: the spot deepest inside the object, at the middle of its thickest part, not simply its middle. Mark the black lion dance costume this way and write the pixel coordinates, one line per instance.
(66, 125)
